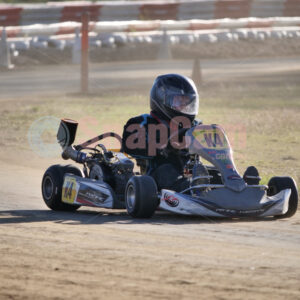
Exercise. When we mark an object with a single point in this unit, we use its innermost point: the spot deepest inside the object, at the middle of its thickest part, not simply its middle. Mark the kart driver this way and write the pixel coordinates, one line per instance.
(156, 140)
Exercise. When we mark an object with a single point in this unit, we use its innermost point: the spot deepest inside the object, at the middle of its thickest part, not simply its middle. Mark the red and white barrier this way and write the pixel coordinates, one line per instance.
(136, 26)
(10, 15)
(54, 12)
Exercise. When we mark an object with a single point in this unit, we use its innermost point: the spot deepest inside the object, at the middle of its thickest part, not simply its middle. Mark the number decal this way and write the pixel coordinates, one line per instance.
(212, 138)
(69, 190)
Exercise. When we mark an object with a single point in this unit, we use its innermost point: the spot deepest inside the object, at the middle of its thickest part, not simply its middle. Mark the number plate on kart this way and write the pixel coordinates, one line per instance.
(69, 190)
(211, 137)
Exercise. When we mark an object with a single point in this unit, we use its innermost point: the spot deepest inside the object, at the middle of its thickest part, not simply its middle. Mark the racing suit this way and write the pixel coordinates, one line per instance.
(166, 165)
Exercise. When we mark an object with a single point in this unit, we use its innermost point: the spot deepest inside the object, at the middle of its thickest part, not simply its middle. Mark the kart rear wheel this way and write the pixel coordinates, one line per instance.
(141, 196)
(52, 187)
(277, 184)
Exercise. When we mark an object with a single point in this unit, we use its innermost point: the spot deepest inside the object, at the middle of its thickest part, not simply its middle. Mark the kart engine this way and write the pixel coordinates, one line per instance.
(113, 168)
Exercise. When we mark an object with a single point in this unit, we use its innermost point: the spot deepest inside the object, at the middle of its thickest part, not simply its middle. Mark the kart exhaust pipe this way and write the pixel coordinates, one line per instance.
(75, 155)
(66, 136)
(66, 132)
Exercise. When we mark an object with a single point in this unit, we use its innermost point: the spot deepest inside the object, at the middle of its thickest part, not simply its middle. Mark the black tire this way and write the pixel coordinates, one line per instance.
(277, 184)
(52, 187)
(141, 196)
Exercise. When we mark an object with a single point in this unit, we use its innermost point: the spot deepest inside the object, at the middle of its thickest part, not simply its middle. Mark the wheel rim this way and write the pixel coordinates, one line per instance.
(130, 197)
(48, 187)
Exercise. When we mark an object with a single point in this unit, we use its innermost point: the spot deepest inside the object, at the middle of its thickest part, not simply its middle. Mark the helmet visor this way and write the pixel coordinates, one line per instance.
(186, 103)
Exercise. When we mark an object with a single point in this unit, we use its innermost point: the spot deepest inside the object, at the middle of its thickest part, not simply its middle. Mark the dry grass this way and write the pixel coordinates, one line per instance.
(262, 121)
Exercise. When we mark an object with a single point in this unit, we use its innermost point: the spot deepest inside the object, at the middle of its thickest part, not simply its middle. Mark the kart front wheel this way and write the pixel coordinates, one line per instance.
(277, 184)
(52, 187)
(141, 196)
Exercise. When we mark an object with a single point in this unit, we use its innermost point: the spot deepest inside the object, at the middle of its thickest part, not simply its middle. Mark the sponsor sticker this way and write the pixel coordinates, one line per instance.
(171, 200)
(88, 194)
(92, 194)
(234, 177)
(239, 212)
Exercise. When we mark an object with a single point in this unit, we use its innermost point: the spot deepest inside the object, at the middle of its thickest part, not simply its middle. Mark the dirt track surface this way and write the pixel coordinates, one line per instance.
(104, 254)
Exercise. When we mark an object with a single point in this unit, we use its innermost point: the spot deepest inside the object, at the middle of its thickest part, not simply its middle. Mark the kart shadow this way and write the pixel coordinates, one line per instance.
(89, 217)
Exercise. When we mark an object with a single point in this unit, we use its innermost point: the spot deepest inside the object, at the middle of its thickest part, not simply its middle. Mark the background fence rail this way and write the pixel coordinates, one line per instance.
(52, 12)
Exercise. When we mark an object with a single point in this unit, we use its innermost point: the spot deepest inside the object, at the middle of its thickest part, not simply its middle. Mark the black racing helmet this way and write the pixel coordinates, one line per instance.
(174, 95)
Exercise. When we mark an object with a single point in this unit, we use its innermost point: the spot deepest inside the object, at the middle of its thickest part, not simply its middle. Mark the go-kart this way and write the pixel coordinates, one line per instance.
(108, 180)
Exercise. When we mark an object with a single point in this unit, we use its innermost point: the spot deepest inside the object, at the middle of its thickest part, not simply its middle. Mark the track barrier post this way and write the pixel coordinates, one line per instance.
(164, 51)
(5, 61)
(196, 73)
(85, 53)
(76, 50)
